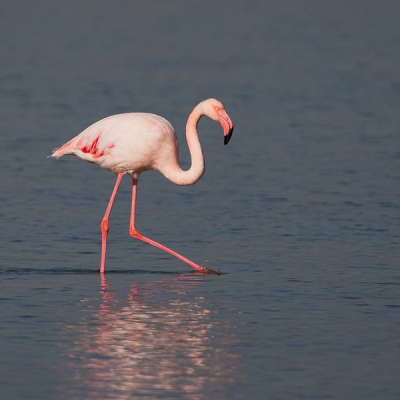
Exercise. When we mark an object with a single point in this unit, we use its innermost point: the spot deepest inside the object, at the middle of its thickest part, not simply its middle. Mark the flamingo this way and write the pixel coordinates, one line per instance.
(135, 142)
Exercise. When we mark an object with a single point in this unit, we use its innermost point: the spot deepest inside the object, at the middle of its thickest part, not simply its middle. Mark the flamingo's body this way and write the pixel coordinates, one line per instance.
(136, 142)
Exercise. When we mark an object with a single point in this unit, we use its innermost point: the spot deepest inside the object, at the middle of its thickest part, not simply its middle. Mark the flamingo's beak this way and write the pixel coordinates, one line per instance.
(227, 125)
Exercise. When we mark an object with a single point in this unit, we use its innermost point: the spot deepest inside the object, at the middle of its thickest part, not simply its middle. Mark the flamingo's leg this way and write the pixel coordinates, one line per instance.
(134, 233)
(104, 224)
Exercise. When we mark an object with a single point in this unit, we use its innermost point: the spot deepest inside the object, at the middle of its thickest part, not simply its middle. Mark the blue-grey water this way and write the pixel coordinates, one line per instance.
(300, 211)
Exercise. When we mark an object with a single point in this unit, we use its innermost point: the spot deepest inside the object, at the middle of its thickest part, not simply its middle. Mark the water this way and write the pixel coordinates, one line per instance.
(300, 211)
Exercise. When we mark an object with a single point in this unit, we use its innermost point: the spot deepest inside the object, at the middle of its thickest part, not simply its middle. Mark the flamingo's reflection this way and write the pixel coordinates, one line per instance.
(142, 346)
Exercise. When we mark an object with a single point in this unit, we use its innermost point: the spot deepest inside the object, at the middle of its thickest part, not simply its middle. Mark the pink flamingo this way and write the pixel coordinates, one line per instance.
(136, 142)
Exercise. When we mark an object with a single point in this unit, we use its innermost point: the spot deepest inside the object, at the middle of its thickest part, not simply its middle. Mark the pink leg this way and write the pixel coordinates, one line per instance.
(104, 224)
(134, 233)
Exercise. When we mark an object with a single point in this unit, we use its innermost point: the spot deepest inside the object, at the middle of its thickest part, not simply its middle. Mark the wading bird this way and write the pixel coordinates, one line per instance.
(135, 142)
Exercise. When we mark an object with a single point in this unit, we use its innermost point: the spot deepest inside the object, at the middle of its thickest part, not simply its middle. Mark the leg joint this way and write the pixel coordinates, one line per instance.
(104, 226)
(134, 233)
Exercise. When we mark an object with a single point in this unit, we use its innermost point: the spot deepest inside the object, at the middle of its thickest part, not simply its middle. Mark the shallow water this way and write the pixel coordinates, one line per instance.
(300, 212)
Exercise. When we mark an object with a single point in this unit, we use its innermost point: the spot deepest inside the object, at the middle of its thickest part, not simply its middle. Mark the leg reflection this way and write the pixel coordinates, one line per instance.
(157, 340)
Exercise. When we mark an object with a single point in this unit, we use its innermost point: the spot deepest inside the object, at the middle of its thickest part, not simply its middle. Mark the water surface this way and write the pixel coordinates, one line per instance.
(300, 211)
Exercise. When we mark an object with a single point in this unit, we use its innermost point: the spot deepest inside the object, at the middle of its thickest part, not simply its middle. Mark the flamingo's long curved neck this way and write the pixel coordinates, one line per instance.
(192, 175)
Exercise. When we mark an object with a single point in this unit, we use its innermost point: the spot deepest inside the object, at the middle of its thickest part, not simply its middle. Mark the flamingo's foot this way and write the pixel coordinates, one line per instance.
(205, 270)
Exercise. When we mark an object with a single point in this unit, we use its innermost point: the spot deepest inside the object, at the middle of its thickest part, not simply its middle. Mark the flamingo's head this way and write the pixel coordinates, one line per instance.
(216, 111)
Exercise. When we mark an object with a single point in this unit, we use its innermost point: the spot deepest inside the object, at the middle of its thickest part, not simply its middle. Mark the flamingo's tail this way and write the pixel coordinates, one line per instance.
(68, 148)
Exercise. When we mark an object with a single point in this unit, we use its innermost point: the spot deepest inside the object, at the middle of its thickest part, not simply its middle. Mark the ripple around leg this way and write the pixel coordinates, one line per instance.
(83, 271)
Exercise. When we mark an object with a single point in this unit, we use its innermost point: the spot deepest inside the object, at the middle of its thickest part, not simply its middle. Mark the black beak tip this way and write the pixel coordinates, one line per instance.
(228, 136)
